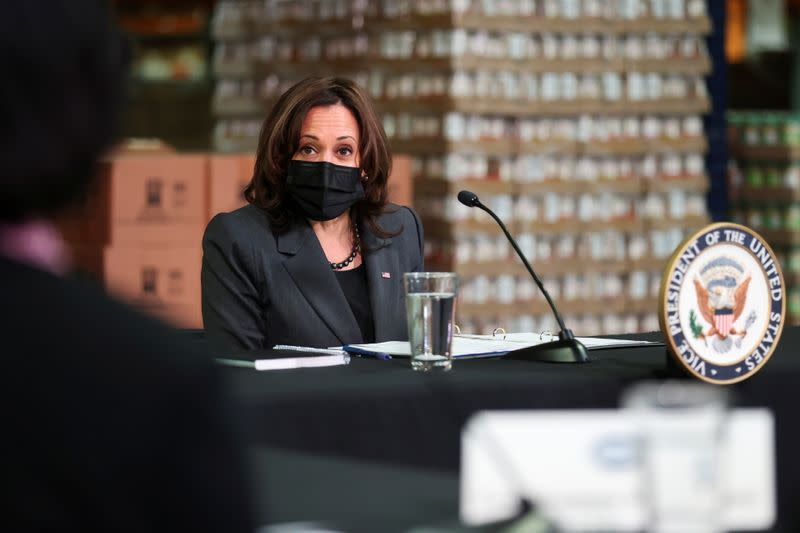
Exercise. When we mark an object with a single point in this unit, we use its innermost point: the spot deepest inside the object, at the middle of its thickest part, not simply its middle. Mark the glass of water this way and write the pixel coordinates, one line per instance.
(430, 306)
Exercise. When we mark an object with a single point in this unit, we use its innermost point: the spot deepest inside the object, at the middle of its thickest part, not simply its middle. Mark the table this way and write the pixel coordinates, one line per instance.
(382, 412)
(350, 494)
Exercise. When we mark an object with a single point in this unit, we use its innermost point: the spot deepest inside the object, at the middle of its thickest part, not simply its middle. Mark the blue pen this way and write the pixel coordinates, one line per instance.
(364, 353)
(376, 355)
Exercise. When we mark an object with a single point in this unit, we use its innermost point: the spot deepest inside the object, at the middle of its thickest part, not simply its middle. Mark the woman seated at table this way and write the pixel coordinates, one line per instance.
(317, 258)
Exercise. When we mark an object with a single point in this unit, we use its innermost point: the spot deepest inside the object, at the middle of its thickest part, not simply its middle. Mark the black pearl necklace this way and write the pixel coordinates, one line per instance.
(352, 256)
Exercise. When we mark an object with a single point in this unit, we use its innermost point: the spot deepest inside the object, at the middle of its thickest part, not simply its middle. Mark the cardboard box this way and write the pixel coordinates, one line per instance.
(401, 183)
(164, 282)
(228, 175)
(140, 145)
(158, 198)
(153, 199)
(147, 199)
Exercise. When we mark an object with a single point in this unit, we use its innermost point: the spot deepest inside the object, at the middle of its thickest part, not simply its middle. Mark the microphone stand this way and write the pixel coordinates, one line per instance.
(567, 349)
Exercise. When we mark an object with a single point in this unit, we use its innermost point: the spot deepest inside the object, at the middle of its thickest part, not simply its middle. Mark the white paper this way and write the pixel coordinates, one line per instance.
(532, 339)
(332, 357)
(312, 361)
(583, 469)
(465, 346)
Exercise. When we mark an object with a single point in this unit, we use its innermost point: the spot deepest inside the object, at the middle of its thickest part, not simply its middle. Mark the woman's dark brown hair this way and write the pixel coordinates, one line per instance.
(280, 139)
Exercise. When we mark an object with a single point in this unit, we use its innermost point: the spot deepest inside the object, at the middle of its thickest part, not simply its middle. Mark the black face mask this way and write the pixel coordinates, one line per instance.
(322, 190)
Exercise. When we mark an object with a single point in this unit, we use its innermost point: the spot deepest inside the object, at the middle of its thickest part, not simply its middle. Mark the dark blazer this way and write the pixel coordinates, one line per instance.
(261, 289)
(110, 421)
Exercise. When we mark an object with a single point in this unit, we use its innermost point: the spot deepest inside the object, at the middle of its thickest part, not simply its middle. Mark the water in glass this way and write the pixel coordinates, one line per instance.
(430, 315)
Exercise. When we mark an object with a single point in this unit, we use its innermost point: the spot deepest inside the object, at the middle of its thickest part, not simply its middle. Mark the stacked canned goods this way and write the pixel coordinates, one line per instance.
(765, 185)
(578, 121)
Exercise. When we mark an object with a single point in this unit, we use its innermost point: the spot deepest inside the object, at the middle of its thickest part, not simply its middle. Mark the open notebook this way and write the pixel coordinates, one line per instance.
(478, 346)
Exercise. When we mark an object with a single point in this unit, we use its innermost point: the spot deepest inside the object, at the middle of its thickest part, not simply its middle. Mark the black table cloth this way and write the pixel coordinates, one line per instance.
(384, 412)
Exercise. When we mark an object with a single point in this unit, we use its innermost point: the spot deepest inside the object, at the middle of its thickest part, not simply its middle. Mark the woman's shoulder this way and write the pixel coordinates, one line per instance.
(248, 215)
(238, 224)
(404, 224)
(397, 217)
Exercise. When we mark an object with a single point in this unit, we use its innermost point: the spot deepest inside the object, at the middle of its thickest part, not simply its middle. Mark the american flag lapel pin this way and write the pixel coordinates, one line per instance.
(386, 275)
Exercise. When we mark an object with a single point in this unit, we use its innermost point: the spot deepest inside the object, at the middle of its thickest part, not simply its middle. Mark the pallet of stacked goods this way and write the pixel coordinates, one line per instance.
(764, 186)
(577, 122)
(235, 103)
(138, 234)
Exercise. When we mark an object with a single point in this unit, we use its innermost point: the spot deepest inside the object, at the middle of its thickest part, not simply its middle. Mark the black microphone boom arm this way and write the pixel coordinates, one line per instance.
(567, 349)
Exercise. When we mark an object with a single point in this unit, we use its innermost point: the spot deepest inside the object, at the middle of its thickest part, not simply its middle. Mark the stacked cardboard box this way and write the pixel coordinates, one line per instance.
(228, 175)
(140, 231)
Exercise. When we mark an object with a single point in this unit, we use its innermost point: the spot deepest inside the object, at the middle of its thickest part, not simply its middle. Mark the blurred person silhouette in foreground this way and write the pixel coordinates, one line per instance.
(111, 422)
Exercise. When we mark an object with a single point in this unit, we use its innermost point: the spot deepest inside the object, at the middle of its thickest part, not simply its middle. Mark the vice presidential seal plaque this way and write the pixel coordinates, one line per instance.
(722, 303)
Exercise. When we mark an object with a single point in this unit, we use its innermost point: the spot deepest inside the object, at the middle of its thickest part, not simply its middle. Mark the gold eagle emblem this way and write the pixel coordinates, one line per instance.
(721, 308)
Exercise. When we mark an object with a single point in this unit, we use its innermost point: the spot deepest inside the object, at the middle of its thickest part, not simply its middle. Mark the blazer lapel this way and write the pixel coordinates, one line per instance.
(308, 267)
(385, 281)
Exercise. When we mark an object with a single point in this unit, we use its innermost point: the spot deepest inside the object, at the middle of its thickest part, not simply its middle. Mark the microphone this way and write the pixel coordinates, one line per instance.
(567, 349)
